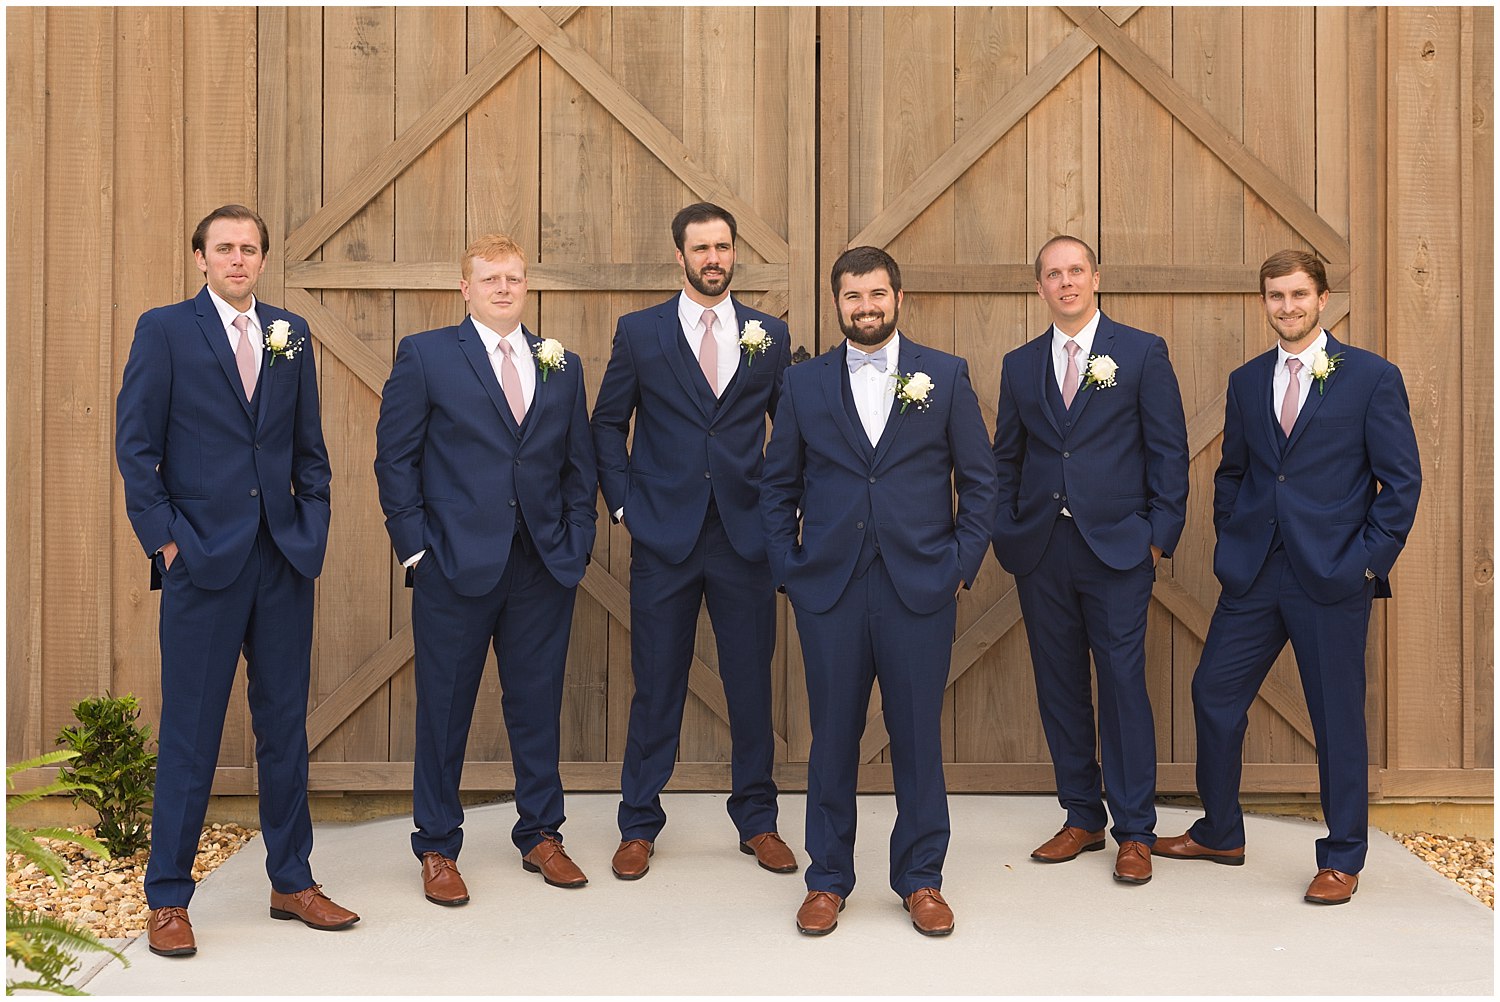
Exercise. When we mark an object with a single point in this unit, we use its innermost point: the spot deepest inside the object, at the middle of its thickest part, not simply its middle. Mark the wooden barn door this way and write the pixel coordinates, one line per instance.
(388, 138)
(962, 138)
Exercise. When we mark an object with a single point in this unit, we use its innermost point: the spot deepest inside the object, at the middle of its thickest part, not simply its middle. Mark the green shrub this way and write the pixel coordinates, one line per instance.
(44, 947)
(116, 771)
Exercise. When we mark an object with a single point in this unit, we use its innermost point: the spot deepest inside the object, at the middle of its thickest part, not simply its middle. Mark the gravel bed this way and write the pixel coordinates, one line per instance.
(107, 897)
(1468, 862)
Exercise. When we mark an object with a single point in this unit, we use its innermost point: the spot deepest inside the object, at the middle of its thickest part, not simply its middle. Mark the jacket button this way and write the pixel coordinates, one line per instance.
(1056, 496)
(1281, 478)
(872, 480)
(257, 446)
(1270, 521)
(859, 525)
(254, 493)
(712, 433)
(707, 475)
(1069, 455)
(512, 502)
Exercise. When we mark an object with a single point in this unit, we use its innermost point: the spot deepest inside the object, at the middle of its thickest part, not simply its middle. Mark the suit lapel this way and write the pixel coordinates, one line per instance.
(541, 396)
(1042, 358)
(264, 383)
(472, 346)
(1264, 382)
(908, 361)
(741, 373)
(1104, 337)
(218, 342)
(674, 349)
(1314, 398)
(835, 380)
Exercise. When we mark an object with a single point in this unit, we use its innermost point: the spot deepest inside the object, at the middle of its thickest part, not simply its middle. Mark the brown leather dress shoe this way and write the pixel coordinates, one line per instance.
(771, 853)
(930, 914)
(549, 859)
(819, 914)
(170, 934)
(1331, 887)
(313, 908)
(632, 859)
(1067, 844)
(441, 881)
(1133, 864)
(1183, 847)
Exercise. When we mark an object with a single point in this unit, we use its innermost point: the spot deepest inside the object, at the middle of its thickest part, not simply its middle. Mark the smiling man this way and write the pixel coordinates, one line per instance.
(220, 447)
(698, 375)
(1091, 451)
(1314, 496)
(486, 476)
(873, 439)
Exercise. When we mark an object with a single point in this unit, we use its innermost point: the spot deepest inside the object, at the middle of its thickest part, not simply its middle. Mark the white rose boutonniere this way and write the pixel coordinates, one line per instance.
(753, 340)
(1323, 366)
(550, 357)
(915, 388)
(1100, 372)
(279, 341)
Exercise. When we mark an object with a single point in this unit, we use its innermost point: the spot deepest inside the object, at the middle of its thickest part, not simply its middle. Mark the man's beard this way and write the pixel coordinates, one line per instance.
(1314, 324)
(706, 286)
(876, 335)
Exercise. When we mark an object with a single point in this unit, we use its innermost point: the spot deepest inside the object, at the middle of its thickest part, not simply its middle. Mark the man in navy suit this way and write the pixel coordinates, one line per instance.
(486, 476)
(1313, 499)
(870, 443)
(700, 374)
(1091, 451)
(220, 446)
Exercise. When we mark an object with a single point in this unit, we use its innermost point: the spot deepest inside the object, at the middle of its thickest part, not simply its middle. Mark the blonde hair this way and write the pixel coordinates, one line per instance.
(491, 247)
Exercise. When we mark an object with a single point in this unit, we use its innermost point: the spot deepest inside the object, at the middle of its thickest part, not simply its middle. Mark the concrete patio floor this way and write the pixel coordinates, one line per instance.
(707, 920)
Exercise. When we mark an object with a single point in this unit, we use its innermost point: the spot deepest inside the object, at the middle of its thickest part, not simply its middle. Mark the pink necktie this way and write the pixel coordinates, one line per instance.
(244, 357)
(510, 382)
(708, 352)
(1293, 392)
(1070, 374)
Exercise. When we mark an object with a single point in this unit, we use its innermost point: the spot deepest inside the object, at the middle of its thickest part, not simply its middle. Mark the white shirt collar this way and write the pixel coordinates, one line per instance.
(1084, 338)
(227, 313)
(691, 313)
(492, 340)
(1305, 356)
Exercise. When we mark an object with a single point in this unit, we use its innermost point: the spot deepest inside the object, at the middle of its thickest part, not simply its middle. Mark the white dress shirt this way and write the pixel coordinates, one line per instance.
(726, 334)
(520, 354)
(227, 314)
(874, 390)
(1085, 341)
(1281, 379)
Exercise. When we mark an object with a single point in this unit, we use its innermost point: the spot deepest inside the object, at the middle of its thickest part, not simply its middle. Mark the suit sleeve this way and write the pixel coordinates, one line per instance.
(311, 473)
(400, 437)
(1164, 436)
(781, 487)
(141, 433)
(1009, 448)
(1391, 444)
(580, 475)
(619, 395)
(1233, 461)
(973, 475)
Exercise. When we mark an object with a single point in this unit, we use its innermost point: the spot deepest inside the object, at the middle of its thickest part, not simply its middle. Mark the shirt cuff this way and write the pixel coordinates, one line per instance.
(411, 561)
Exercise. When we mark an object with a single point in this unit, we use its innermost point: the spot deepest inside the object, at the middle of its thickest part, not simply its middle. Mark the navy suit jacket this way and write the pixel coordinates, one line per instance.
(200, 462)
(688, 446)
(1118, 461)
(902, 489)
(454, 469)
(1318, 485)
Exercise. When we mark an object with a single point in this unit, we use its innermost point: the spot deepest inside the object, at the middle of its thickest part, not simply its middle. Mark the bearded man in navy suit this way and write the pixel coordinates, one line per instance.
(486, 475)
(699, 374)
(871, 441)
(220, 445)
(1091, 451)
(1313, 499)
